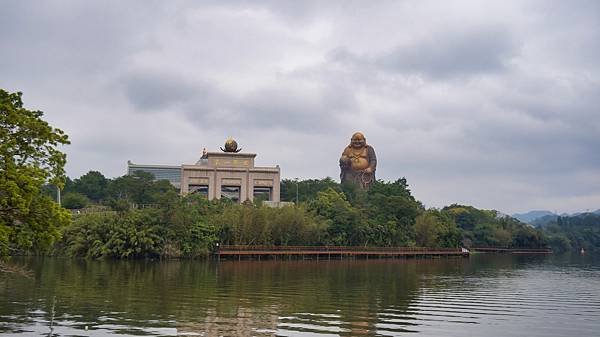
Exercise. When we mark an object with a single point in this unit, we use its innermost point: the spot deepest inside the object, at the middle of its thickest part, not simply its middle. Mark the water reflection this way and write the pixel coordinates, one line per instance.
(487, 295)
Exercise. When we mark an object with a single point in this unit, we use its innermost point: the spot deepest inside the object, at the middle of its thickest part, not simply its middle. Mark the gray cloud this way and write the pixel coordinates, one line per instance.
(290, 104)
(296, 108)
(459, 53)
(57, 38)
(490, 104)
(443, 54)
(151, 91)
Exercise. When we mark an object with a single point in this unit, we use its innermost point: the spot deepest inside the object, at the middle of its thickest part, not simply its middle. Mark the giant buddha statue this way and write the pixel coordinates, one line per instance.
(358, 162)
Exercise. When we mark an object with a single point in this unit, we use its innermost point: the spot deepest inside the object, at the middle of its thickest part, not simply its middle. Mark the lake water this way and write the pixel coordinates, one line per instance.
(485, 295)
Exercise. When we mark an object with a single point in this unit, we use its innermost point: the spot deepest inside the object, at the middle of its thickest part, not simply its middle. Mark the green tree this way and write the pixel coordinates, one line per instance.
(528, 237)
(132, 234)
(306, 189)
(574, 232)
(464, 216)
(559, 242)
(390, 205)
(339, 213)
(435, 229)
(292, 225)
(92, 184)
(74, 200)
(487, 228)
(188, 232)
(139, 188)
(426, 230)
(29, 158)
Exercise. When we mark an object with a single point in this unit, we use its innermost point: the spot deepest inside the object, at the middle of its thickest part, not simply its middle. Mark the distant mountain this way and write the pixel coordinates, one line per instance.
(545, 220)
(581, 213)
(541, 217)
(530, 216)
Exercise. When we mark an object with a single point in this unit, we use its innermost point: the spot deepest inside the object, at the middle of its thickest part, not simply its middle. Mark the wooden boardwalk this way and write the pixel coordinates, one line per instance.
(333, 252)
(511, 250)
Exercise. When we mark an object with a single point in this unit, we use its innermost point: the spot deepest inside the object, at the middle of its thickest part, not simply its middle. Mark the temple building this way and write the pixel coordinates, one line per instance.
(228, 174)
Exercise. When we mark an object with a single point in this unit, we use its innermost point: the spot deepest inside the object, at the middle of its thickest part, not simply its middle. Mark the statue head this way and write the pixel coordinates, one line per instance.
(358, 140)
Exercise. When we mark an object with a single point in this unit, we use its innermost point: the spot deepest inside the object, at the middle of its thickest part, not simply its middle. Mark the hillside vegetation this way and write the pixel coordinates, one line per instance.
(328, 214)
(574, 232)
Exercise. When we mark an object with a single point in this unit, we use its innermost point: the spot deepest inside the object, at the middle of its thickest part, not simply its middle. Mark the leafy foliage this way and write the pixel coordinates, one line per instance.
(29, 158)
(120, 193)
(139, 188)
(93, 185)
(74, 200)
(248, 224)
(391, 203)
(187, 227)
(485, 228)
(188, 233)
(130, 235)
(307, 189)
(436, 229)
(386, 215)
(341, 218)
(574, 232)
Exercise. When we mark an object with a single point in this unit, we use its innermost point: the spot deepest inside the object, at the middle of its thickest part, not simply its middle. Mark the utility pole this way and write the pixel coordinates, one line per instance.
(58, 195)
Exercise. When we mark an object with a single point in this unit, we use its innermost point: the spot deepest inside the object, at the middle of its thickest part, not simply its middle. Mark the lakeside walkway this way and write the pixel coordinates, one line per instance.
(498, 250)
(333, 252)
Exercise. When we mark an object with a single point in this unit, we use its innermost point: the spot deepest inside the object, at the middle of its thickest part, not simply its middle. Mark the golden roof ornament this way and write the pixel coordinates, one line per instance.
(231, 146)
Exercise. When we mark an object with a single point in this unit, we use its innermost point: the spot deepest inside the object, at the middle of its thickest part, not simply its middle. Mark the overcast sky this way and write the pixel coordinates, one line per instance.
(494, 104)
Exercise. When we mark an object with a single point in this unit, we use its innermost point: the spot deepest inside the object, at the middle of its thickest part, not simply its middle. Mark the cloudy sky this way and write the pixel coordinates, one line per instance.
(489, 103)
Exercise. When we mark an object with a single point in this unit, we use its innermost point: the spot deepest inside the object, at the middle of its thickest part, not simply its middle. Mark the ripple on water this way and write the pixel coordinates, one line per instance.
(337, 298)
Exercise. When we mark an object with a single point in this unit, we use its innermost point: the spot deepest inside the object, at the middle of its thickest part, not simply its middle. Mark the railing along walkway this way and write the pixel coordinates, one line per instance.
(505, 250)
(335, 251)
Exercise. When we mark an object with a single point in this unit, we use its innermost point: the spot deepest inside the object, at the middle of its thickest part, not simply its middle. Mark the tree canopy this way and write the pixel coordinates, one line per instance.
(574, 232)
(29, 158)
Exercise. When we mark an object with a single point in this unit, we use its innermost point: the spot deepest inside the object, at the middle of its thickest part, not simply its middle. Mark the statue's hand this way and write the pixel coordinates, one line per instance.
(368, 170)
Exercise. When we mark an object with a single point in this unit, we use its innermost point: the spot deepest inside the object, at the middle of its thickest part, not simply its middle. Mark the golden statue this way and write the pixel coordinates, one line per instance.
(358, 162)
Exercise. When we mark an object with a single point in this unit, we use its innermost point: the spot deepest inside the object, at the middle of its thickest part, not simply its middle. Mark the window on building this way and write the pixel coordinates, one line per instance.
(231, 192)
(262, 193)
(198, 189)
(172, 174)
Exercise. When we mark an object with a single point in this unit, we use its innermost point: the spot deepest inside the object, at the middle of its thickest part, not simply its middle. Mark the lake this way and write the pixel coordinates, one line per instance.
(484, 295)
